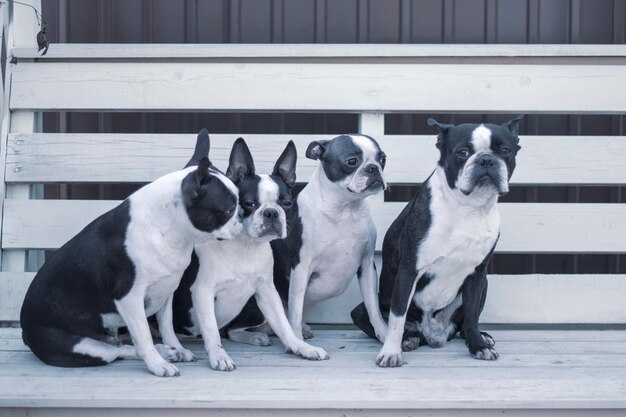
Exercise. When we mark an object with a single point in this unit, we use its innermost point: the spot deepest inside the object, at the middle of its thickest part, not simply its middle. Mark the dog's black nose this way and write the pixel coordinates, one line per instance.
(372, 169)
(486, 160)
(270, 214)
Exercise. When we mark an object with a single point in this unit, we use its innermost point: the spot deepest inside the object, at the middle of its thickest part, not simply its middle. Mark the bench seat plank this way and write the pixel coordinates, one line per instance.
(537, 377)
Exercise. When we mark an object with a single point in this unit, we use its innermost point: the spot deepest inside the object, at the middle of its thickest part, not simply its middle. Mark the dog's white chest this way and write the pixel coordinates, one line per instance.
(335, 250)
(233, 271)
(456, 243)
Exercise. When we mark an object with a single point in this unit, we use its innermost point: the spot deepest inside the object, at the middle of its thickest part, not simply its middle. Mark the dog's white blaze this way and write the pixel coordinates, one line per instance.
(370, 152)
(481, 139)
(358, 181)
(268, 190)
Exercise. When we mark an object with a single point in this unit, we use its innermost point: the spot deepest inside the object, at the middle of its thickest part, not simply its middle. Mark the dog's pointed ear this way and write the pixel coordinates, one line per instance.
(316, 149)
(513, 126)
(203, 145)
(240, 164)
(202, 174)
(443, 130)
(285, 166)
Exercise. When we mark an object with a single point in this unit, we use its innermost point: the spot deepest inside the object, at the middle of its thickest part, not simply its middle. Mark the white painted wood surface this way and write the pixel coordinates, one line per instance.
(158, 86)
(537, 372)
(308, 51)
(106, 157)
(526, 227)
(512, 299)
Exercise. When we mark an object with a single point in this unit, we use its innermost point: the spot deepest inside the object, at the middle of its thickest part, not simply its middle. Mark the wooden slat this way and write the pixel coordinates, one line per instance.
(544, 227)
(73, 158)
(536, 298)
(512, 299)
(340, 87)
(526, 227)
(13, 286)
(65, 157)
(307, 51)
(533, 378)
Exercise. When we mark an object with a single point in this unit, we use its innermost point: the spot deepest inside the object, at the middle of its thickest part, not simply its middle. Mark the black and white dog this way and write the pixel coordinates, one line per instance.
(124, 267)
(332, 236)
(437, 251)
(224, 275)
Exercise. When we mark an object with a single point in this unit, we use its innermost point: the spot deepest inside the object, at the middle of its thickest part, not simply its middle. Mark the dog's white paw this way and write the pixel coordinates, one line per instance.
(220, 361)
(160, 367)
(410, 344)
(172, 354)
(187, 355)
(306, 331)
(488, 354)
(389, 357)
(310, 352)
(488, 339)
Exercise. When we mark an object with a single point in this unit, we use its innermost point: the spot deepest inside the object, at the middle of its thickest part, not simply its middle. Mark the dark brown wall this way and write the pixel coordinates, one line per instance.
(348, 21)
(345, 21)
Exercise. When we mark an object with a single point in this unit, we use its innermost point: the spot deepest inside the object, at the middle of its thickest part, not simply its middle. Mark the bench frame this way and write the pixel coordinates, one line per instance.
(371, 80)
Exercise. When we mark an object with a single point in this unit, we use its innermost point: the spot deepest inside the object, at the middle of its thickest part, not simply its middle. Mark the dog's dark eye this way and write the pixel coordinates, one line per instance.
(505, 151)
(250, 204)
(230, 211)
(462, 153)
(286, 203)
(383, 161)
(352, 162)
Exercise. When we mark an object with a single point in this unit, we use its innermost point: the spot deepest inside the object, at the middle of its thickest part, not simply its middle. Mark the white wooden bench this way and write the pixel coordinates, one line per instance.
(540, 371)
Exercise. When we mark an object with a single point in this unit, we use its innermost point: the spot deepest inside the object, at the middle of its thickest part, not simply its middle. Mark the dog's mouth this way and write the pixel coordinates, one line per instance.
(271, 231)
(369, 187)
(487, 180)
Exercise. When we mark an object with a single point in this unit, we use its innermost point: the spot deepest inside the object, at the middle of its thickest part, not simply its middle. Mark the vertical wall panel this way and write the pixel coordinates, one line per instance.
(255, 21)
(168, 21)
(384, 21)
(511, 21)
(82, 20)
(427, 21)
(596, 21)
(553, 21)
(342, 21)
(125, 24)
(469, 21)
(212, 21)
(299, 21)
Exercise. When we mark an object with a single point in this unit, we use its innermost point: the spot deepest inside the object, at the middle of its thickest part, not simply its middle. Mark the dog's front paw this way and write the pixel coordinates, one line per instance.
(310, 352)
(187, 355)
(389, 358)
(160, 367)
(172, 354)
(410, 344)
(488, 339)
(488, 354)
(220, 361)
(306, 331)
